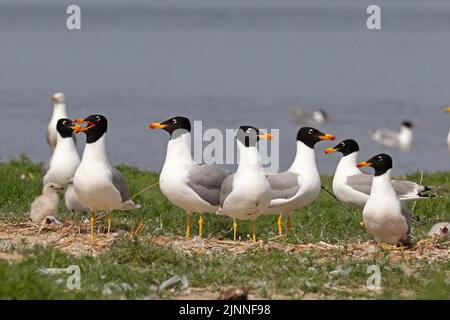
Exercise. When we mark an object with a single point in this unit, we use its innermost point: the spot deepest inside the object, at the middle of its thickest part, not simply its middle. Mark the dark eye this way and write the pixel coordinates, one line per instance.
(174, 121)
(343, 144)
(310, 131)
(380, 158)
(64, 122)
(98, 118)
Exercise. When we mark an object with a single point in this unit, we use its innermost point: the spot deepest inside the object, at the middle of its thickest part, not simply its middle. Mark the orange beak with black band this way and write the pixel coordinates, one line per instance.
(266, 136)
(157, 125)
(364, 164)
(327, 137)
(330, 150)
(90, 125)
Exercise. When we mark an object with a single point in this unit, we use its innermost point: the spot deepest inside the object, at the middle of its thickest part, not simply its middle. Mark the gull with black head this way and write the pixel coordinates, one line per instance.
(65, 159)
(384, 215)
(352, 187)
(98, 185)
(245, 194)
(299, 186)
(190, 186)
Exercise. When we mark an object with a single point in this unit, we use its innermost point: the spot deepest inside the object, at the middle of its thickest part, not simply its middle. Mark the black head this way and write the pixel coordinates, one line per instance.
(346, 147)
(381, 163)
(408, 124)
(249, 136)
(65, 127)
(310, 136)
(96, 126)
(173, 124)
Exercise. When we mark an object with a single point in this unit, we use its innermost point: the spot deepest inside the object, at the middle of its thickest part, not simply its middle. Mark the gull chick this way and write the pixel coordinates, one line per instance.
(45, 205)
(384, 215)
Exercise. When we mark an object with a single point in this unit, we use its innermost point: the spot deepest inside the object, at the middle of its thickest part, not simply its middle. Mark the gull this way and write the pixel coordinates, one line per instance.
(384, 215)
(190, 186)
(71, 199)
(98, 185)
(299, 186)
(447, 110)
(352, 187)
(315, 117)
(245, 194)
(65, 159)
(59, 111)
(45, 205)
(401, 140)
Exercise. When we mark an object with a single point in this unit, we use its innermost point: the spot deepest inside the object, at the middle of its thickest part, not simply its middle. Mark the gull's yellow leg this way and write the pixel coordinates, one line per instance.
(280, 224)
(201, 222)
(92, 221)
(234, 229)
(109, 219)
(188, 226)
(361, 224)
(289, 224)
(254, 230)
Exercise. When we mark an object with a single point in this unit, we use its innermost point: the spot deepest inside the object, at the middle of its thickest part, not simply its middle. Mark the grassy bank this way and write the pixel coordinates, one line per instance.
(136, 266)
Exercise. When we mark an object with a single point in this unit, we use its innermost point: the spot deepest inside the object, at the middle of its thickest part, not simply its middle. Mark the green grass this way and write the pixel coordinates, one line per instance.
(135, 269)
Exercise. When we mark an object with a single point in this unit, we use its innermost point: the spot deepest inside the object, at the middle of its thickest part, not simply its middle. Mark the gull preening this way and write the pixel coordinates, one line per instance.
(65, 159)
(245, 194)
(299, 186)
(384, 215)
(352, 187)
(46, 205)
(98, 185)
(401, 140)
(59, 112)
(314, 117)
(190, 186)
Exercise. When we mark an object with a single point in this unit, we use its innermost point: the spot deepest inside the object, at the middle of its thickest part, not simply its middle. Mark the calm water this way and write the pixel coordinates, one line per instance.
(228, 63)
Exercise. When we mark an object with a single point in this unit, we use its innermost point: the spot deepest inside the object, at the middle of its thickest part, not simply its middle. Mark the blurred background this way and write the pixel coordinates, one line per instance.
(228, 63)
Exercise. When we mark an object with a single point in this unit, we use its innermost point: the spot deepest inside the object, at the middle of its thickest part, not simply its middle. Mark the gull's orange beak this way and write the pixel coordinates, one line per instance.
(157, 125)
(329, 150)
(266, 136)
(83, 129)
(327, 137)
(446, 109)
(76, 129)
(53, 98)
(363, 164)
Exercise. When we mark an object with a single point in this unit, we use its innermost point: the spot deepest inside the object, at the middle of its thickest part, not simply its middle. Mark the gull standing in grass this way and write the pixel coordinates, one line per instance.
(46, 205)
(245, 194)
(299, 186)
(59, 112)
(352, 187)
(447, 110)
(401, 140)
(65, 159)
(384, 215)
(98, 185)
(190, 186)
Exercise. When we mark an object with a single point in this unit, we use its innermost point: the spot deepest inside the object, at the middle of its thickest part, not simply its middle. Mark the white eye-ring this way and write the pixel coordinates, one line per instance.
(310, 131)
(380, 158)
(98, 118)
(343, 144)
(174, 121)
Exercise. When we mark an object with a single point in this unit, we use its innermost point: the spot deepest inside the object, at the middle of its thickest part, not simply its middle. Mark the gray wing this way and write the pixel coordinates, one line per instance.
(405, 188)
(387, 137)
(360, 182)
(284, 185)
(206, 180)
(120, 184)
(226, 188)
(44, 168)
